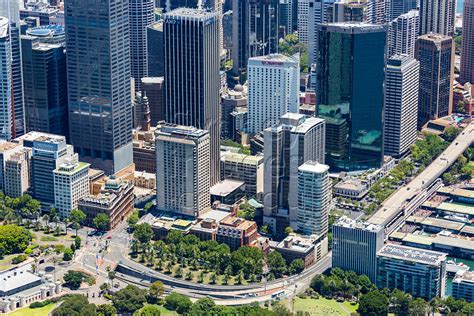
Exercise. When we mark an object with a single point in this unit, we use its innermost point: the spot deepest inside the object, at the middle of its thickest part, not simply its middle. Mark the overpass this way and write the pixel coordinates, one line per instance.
(403, 201)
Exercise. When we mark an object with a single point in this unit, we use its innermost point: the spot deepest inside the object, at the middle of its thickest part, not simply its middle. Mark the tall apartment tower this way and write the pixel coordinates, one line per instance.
(98, 68)
(303, 17)
(355, 246)
(434, 52)
(437, 16)
(295, 140)
(156, 50)
(6, 90)
(402, 34)
(314, 198)
(401, 104)
(273, 82)
(183, 161)
(192, 79)
(45, 83)
(395, 8)
(376, 11)
(467, 50)
(255, 32)
(71, 184)
(10, 10)
(142, 15)
(350, 93)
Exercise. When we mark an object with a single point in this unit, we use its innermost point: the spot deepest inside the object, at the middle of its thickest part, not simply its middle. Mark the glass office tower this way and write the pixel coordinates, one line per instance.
(98, 68)
(350, 93)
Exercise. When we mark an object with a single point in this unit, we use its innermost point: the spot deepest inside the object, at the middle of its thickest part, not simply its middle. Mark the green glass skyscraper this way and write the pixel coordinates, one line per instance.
(350, 78)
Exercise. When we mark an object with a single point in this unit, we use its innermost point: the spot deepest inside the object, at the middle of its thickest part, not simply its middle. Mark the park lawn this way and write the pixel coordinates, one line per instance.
(320, 306)
(350, 307)
(42, 311)
(6, 262)
(166, 312)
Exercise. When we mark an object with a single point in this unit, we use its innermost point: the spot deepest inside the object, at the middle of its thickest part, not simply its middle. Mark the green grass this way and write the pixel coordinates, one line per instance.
(42, 311)
(322, 306)
(350, 307)
(165, 312)
(6, 262)
(48, 238)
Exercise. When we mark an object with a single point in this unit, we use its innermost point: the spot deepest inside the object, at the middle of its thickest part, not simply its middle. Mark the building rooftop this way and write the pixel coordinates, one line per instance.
(418, 239)
(3, 26)
(297, 243)
(242, 158)
(46, 31)
(216, 215)
(314, 167)
(179, 131)
(436, 222)
(411, 254)
(456, 208)
(225, 187)
(464, 276)
(275, 59)
(70, 168)
(347, 222)
(453, 242)
(236, 222)
(153, 80)
(354, 27)
(15, 278)
(6, 146)
(189, 14)
(437, 38)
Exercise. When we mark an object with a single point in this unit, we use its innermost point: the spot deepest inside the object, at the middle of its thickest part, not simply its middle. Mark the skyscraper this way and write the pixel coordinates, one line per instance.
(467, 50)
(350, 93)
(401, 104)
(303, 17)
(6, 93)
(192, 79)
(289, 144)
(285, 15)
(395, 8)
(141, 16)
(273, 82)
(156, 50)
(434, 52)
(437, 16)
(317, 15)
(183, 180)
(45, 82)
(98, 67)
(255, 32)
(376, 11)
(314, 198)
(402, 34)
(355, 246)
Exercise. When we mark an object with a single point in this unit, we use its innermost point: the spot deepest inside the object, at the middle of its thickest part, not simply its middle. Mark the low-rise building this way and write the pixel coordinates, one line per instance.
(419, 272)
(144, 153)
(236, 232)
(246, 168)
(71, 183)
(227, 191)
(143, 179)
(463, 286)
(115, 199)
(17, 173)
(308, 248)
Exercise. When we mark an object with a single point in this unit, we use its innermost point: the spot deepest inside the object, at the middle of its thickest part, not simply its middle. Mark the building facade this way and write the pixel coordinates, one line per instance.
(236, 232)
(419, 272)
(401, 105)
(314, 198)
(45, 82)
(350, 76)
(437, 16)
(100, 103)
(402, 34)
(395, 8)
(17, 173)
(246, 168)
(153, 88)
(288, 145)
(273, 82)
(255, 32)
(434, 52)
(467, 48)
(6, 89)
(183, 164)
(141, 16)
(156, 51)
(355, 246)
(71, 183)
(303, 18)
(192, 88)
(463, 286)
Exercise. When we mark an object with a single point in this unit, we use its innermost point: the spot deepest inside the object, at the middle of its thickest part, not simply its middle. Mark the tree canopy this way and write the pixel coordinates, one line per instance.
(13, 239)
(75, 305)
(129, 299)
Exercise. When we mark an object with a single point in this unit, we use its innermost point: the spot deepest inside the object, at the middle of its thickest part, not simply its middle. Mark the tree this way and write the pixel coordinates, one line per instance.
(454, 305)
(77, 242)
(288, 230)
(73, 279)
(76, 217)
(106, 310)
(101, 222)
(400, 301)
(13, 239)
(132, 220)
(213, 278)
(129, 299)
(177, 302)
(296, 266)
(281, 310)
(148, 206)
(373, 303)
(76, 305)
(104, 287)
(418, 307)
(276, 263)
(68, 253)
(448, 178)
(143, 233)
(202, 305)
(148, 310)
(450, 133)
(157, 289)
(468, 309)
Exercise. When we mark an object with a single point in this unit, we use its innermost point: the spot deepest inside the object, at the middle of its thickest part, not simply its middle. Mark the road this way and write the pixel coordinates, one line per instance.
(95, 259)
(393, 206)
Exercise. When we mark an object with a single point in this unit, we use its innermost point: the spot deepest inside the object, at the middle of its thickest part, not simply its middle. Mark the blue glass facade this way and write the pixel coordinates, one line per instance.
(350, 76)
